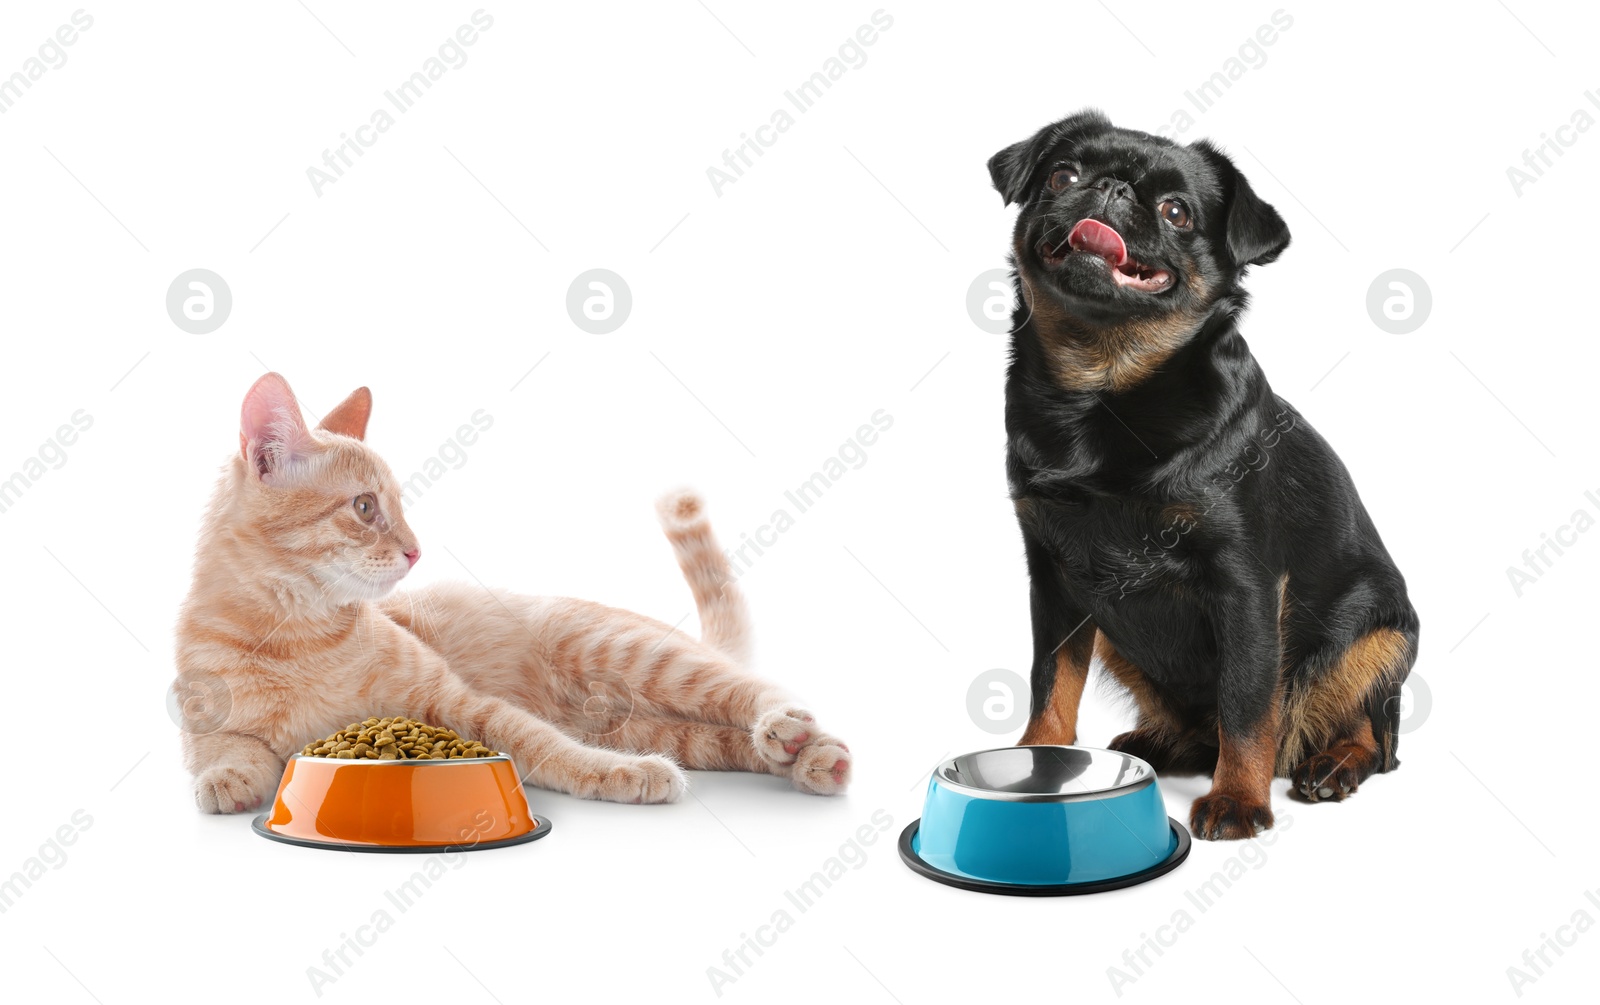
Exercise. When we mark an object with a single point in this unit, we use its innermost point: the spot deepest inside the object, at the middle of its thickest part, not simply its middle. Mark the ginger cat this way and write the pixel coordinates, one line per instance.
(291, 618)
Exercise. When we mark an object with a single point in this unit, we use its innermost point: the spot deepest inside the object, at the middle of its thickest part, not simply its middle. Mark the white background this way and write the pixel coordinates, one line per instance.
(768, 323)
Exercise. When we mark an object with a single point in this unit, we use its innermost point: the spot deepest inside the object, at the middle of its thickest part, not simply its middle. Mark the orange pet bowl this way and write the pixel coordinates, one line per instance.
(401, 806)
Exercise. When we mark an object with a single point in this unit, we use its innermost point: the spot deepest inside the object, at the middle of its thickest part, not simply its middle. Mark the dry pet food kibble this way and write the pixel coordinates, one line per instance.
(396, 739)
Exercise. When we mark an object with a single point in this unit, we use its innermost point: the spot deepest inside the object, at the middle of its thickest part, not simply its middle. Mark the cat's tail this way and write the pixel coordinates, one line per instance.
(724, 623)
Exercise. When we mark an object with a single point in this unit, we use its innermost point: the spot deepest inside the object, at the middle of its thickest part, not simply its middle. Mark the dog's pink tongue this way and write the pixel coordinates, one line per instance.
(1094, 236)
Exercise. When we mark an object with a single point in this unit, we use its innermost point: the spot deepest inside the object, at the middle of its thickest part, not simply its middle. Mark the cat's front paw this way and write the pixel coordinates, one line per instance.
(822, 767)
(649, 779)
(231, 790)
(780, 734)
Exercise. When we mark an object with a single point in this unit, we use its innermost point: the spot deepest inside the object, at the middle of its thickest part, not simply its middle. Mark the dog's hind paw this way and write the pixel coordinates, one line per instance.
(1142, 745)
(1165, 753)
(1331, 776)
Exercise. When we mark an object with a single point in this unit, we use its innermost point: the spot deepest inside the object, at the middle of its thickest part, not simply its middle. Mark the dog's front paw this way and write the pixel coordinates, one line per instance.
(780, 734)
(649, 779)
(1218, 816)
(822, 767)
(231, 790)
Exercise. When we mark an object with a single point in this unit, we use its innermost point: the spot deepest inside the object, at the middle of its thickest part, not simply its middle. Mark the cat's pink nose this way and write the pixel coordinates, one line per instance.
(413, 555)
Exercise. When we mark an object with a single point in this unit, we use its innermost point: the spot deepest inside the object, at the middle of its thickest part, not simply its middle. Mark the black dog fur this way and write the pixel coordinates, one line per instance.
(1180, 520)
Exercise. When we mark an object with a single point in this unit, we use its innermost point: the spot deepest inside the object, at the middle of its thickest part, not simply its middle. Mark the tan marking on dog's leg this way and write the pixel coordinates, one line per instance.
(1333, 706)
(1057, 722)
(1239, 804)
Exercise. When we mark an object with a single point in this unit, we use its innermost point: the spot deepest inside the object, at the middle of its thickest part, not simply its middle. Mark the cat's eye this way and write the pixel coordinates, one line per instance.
(1061, 177)
(366, 506)
(1175, 213)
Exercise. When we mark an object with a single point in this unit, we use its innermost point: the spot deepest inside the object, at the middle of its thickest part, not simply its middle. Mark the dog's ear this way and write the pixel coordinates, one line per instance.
(1256, 233)
(1012, 169)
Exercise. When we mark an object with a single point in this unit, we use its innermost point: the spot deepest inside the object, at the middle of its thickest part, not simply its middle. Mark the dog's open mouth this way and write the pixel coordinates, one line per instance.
(1091, 237)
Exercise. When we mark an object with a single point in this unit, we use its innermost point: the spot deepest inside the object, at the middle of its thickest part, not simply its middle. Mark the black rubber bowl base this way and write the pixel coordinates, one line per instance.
(541, 828)
(1161, 868)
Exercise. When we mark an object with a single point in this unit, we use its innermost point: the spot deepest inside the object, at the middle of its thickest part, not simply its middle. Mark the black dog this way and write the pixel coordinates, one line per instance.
(1181, 520)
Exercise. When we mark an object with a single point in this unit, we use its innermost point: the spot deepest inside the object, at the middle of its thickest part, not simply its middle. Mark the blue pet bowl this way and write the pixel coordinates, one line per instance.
(1044, 821)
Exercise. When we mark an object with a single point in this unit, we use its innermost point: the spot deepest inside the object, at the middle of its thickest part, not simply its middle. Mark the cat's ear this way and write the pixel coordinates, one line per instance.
(271, 431)
(349, 417)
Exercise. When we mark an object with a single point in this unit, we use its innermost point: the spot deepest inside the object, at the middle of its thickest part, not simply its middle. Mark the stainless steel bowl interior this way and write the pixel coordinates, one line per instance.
(1044, 774)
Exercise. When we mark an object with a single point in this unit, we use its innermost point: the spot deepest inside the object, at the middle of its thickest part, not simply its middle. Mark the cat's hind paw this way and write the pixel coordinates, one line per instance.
(780, 734)
(822, 767)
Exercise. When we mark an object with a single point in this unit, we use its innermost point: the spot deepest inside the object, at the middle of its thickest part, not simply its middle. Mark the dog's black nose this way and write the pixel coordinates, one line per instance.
(1114, 188)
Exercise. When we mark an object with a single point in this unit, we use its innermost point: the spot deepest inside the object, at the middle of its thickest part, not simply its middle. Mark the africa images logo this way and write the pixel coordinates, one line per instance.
(851, 55)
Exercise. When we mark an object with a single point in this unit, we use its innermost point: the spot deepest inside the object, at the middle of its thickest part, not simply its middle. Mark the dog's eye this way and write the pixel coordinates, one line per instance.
(366, 507)
(1061, 177)
(1175, 213)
